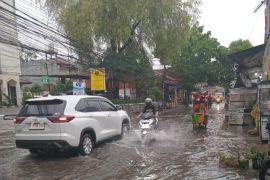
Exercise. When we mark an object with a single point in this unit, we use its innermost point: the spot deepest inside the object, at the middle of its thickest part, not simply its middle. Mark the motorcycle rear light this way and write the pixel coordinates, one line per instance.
(18, 120)
(61, 119)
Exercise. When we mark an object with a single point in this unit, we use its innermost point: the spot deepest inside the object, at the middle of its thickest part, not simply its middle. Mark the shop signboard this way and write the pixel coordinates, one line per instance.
(97, 77)
(78, 88)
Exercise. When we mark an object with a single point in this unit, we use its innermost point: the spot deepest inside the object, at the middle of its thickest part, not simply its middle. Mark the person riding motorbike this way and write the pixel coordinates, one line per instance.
(149, 107)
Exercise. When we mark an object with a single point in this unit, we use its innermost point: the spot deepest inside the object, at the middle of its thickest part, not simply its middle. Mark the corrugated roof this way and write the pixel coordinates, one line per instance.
(249, 58)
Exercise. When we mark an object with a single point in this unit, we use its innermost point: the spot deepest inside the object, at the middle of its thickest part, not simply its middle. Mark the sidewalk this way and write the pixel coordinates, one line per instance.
(13, 110)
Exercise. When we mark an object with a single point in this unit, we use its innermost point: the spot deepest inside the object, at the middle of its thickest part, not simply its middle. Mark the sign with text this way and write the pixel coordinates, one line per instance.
(45, 79)
(97, 77)
(78, 88)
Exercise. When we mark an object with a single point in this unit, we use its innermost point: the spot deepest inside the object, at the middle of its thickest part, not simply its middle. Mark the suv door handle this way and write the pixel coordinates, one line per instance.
(110, 115)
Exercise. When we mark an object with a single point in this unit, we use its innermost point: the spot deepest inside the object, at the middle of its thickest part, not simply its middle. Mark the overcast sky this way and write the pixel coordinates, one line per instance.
(230, 20)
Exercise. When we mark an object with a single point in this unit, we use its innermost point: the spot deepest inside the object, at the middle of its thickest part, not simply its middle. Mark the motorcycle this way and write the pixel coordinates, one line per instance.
(218, 100)
(148, 124)
(199, 116)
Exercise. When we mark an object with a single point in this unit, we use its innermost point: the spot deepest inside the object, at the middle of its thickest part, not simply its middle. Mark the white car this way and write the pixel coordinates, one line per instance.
(61, 122)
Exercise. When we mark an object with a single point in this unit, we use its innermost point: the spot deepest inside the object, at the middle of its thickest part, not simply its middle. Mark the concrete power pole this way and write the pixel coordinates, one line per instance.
(47, 72)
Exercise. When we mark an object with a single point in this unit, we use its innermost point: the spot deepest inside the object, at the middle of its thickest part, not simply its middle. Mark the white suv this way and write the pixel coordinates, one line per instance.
(60, 122)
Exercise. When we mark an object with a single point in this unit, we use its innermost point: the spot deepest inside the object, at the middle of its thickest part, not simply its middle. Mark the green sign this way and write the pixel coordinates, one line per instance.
(45, 79)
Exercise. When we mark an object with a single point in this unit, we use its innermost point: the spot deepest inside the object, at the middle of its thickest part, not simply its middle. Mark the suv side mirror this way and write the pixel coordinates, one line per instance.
(118, 108)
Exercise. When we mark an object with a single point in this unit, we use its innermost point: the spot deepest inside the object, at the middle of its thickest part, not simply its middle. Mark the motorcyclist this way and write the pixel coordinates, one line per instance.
(149, 107)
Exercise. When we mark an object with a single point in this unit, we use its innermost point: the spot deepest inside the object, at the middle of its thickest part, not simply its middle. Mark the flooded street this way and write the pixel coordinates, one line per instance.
(178, 152)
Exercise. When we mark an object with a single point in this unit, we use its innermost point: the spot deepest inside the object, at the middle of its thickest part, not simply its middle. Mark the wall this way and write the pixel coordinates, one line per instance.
(9, 56)
(133, 109)
(38, 67)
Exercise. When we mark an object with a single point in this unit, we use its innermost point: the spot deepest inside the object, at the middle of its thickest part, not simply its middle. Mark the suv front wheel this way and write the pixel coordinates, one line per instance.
(86, 145)
(125, 129)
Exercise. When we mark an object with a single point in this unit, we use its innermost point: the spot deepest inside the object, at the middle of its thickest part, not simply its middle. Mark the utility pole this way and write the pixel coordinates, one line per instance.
(68, 63)
(124, 89)
(163, 86)
(47, 72)
(0, 65)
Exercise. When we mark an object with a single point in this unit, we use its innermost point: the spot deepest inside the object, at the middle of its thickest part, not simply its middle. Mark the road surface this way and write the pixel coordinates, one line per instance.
(178, 152)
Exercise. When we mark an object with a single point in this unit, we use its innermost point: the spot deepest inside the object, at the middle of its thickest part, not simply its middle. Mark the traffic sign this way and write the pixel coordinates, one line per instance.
(45, 79)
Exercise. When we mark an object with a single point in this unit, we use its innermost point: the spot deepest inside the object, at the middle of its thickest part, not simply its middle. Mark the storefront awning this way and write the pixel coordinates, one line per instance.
(249, 58)
(236, 91)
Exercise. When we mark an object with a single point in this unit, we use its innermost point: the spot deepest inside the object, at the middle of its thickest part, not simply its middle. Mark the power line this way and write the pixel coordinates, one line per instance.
(32, 33)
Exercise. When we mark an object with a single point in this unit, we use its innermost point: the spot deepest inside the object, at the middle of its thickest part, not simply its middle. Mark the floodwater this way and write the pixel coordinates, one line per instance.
(178, 152)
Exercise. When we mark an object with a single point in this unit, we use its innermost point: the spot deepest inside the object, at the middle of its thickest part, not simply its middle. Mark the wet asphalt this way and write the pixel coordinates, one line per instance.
(177, 152)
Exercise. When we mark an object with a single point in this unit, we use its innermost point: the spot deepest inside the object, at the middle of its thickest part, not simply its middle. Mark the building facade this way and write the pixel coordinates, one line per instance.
(58, 69)
(266, 58)
(10, 69)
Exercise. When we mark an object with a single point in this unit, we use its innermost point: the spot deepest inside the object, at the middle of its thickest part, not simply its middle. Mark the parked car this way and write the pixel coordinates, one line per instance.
(62, 122)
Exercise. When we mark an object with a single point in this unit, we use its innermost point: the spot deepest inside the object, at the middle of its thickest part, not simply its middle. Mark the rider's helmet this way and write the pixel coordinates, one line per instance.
(148, 101)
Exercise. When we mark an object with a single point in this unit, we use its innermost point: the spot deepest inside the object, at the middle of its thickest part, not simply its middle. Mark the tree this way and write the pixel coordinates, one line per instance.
(26, 55)
(36, 88)
(239, 45)
(104, 32)
(202, 59)
(62, 87)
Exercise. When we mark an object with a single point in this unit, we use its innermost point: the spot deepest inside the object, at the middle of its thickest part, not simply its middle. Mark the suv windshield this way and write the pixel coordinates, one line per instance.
(43, 108)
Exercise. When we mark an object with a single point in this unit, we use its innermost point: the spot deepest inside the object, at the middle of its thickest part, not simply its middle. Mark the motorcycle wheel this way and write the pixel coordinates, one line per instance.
(265, 171)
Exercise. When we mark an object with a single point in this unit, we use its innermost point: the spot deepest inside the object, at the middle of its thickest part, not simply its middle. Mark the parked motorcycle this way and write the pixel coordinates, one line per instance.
(148, 124)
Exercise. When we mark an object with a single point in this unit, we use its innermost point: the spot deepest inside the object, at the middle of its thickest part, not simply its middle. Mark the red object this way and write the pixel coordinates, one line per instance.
(199, 98)
(61, 119)
(124, 85)
(196, 107)
(18, 120)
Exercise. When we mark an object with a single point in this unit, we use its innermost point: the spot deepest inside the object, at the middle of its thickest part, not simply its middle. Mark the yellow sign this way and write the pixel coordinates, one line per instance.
(97, 77)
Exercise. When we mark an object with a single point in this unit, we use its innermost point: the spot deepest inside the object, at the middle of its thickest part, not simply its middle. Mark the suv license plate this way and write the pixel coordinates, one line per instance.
(37, 126)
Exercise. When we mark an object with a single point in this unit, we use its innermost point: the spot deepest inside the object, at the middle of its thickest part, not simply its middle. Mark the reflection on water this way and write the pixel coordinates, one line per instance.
(178, 152)
(218, 107)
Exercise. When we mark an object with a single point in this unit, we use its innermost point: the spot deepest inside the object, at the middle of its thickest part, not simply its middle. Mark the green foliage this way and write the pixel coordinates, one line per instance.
(117, 24)
(26, 96)
(154, 93)
(228, 160)
(127, 101)
(239, 45)
(26, 89)
(202, 59)
(257, 158)
(120, 32)
(7, 101)
(36, 88)
(231, 160)
(60, 87)
(27, 92)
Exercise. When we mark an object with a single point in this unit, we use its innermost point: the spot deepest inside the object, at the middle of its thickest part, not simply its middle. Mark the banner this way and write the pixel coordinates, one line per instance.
(78, 88)
(97, 77)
